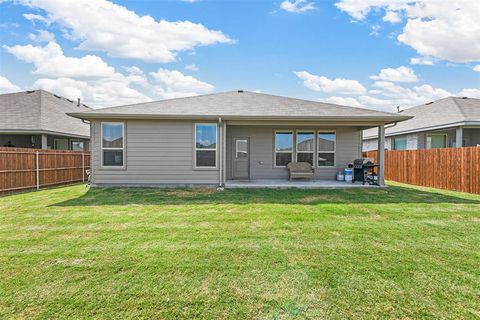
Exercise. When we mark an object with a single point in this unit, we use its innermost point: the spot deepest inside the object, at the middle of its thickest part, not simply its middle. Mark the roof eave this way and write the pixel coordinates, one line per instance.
(93, 116)
(439, 127)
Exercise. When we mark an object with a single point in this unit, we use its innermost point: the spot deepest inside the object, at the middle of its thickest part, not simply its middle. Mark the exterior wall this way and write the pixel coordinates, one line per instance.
(348, 147)
(157, 153)
(370, 145)
(412, 141)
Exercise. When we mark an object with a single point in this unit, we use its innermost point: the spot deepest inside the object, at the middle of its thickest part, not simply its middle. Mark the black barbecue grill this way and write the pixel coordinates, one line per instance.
(363, 170)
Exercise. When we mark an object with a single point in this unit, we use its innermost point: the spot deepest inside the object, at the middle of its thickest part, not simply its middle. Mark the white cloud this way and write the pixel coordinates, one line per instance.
(36, 17)
(297, 6)
(6, 86)
(50, 61)
(99, 84)
(174, 84)
(447, 30)
(104, 26)
(422, 60)
(95, 93)
(400, 74)
(191, 67)
(477, 68)
(323, 84)
(471, 93)
(345, 101)
(42, 36)
(392, 17)
(375, 30)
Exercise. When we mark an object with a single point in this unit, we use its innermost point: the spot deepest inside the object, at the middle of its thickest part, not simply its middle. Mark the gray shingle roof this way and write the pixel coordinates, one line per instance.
(442, 113)
(237, 105)
(40, 111)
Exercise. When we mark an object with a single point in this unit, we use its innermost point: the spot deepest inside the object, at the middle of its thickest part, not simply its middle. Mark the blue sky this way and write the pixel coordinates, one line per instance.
(343, 51)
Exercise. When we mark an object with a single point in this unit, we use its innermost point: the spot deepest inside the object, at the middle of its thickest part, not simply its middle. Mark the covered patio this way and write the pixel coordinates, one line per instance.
(299, 184)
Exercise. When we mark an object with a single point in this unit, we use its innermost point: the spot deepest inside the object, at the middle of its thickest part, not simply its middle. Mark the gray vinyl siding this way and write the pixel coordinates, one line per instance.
(157, 152)
(348, 147)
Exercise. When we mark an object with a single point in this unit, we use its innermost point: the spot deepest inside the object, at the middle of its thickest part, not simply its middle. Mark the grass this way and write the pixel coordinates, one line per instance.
(402, 252)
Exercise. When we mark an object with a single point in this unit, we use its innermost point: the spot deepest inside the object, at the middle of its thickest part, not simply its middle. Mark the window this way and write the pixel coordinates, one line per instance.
(77, 145)
(61, 144)
(205, 145)
(113, 144)
(436, 141)
(326, 149)
(241, 147)
(283, 148)
(305, 146)
(400, 143)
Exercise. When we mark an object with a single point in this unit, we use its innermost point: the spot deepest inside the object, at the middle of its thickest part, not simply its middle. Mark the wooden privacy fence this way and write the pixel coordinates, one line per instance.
(22, 168)
(449, 168)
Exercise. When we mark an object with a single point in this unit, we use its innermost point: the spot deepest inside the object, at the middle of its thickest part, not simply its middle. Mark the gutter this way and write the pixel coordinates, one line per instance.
(91, 116)
(439, 127)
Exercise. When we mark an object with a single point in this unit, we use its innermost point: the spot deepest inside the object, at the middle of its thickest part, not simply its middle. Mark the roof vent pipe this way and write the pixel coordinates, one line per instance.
(78, 102)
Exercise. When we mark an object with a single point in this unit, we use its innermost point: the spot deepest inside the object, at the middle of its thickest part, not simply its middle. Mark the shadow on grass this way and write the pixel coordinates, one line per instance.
(155, 196)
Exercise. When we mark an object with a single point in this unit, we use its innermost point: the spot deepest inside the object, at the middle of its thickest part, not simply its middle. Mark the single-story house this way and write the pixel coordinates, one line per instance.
(446, 123)
(38, 119)
(216, 138)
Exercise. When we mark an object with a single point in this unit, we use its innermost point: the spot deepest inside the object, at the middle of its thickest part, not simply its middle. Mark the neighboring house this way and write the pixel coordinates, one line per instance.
(38, 119)
(445, 123)
(210, 139)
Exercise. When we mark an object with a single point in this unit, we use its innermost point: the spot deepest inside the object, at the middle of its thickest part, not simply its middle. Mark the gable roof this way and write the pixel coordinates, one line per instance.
(41, 111)
(240, 105)
(443, 113)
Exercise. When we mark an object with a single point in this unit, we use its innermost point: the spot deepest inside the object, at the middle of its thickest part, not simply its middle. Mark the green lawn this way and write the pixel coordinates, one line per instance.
(400, 252)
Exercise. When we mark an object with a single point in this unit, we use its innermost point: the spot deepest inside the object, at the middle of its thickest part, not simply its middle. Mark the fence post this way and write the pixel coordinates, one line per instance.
(37, 169)
(83, 166)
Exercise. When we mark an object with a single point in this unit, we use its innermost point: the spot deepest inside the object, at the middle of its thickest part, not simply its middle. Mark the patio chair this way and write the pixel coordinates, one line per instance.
(300, 170)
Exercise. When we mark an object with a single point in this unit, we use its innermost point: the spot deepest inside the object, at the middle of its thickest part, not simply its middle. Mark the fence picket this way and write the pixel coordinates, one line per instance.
(18, 167)
(449, 168)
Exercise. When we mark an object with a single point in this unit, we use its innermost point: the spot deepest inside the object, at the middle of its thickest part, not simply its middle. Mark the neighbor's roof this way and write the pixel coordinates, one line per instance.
(443, 113)
(41, 111)
(241, 105)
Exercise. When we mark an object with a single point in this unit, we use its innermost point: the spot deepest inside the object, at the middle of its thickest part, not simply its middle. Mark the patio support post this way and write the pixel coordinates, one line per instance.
(381, 155)
(459, 137)
(220, 152)
(44, 141)
(224, 153)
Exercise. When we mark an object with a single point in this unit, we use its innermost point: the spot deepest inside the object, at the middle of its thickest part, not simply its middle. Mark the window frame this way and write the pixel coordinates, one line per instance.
(395, 143)
(236, 148)
(313, 132)
(195, 149)
(436, 134)
(275, 146)
(72, 141)
(320, 151)
(61, 139)
(124, 148)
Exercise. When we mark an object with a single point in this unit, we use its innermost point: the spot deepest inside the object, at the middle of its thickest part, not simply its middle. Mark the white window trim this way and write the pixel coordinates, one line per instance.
(195, 149)
(436, 134)
(334, 148)
(123, 146)
(296, 144)
(275, 146)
